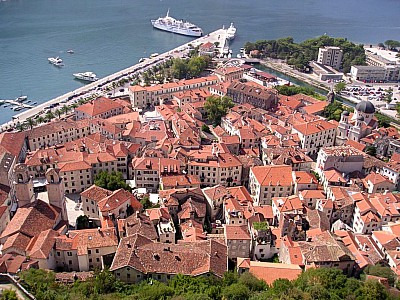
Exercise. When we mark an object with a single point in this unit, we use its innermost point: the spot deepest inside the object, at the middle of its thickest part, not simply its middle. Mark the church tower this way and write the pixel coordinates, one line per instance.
(330, 97)
(55, 191)
(23, 185)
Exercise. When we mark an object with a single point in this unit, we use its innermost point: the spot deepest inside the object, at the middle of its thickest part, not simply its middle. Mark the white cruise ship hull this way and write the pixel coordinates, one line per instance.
(176, 29)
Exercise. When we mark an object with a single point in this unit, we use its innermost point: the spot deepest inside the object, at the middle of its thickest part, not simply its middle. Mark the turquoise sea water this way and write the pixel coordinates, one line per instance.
(109, 35)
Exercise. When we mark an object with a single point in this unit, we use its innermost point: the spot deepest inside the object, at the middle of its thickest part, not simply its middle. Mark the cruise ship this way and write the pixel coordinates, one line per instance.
(231, 32)
(170, 24)
(86, 76)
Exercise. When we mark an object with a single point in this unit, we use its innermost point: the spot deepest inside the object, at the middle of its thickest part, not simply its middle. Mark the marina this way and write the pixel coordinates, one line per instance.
(97, 88)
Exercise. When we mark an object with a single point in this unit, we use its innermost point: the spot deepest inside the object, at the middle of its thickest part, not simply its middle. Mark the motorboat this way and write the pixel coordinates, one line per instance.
(86, 76)
(231, 32)
(21, 98)
(57, 61)
(142, 59)
(171, 24)
(70, 51)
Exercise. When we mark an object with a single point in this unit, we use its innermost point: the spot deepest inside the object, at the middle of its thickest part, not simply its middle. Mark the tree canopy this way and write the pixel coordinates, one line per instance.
(217, 107)
(111, 181)
(323, 283)
(299, 55)
(392, 44)
(333, 111)
(189, 68)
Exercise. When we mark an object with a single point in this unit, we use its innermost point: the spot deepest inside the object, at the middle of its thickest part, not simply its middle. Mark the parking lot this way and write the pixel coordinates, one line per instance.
(377, 93)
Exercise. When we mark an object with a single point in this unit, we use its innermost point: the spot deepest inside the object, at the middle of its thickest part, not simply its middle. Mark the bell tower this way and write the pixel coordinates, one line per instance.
(23, 185)
(55, 191)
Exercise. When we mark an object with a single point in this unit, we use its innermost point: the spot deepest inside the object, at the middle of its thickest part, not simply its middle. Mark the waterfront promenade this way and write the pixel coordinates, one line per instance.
(98, 88)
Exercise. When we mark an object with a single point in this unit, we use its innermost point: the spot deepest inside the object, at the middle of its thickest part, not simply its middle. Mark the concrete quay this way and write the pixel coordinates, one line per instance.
(98, 87)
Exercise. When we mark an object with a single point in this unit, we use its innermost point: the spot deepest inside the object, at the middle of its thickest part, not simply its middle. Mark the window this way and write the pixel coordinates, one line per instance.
(89, 252)
(58, 253)
(90, 260)
(97, 250)
(69, 253)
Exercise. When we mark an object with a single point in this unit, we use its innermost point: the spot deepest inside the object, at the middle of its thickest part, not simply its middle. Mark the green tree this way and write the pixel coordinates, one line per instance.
(49, 116)
(217, 107)
(30, 122)
(383, 121)
(37, 280)
(339, 87)
(392, 44)
(196, 65)
(371, 150)
(236, 291)
(58, 113)
(40, 120)
(372, 290)
(205, 128)
(146, 203)
(381, 271)
(20, 126)
(9, 295)
(333, 111)
(111, 181)
(253, 283)
(82, 222)
(179, 68)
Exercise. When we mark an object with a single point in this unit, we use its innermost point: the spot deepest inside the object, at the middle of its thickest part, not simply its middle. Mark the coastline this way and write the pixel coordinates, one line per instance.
(98, 88)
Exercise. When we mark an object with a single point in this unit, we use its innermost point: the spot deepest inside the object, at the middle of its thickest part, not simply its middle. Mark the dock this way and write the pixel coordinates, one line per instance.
(16, 103)
(217, 37)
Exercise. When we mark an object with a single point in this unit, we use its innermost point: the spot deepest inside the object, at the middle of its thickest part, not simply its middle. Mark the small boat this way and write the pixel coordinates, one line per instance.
(57, 61)
(21, 98)
(239, 56)
(86, 76)
(18, 108)
(70, 51)
(33, 103)
(154, 55)
(142, 59)
(231, 32)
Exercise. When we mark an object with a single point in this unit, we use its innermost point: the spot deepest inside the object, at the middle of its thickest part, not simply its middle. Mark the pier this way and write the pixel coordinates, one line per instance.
(96, 88)
(16, 103)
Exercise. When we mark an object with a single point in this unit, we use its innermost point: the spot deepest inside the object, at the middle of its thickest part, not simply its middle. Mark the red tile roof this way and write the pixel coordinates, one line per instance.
(269, 272)
(273, 175)
(187, 258)
(98, 106)
(237, 232)
(85, 239)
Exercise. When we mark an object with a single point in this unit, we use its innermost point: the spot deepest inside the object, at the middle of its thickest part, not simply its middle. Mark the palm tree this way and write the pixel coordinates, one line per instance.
(49, 116)
(65, 109)
(30, 122)
(40, 120)
(58, 113)
(20, 127)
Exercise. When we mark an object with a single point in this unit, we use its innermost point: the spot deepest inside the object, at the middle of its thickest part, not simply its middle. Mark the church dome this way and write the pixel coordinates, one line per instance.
(345, 113)
(365, 107)
(360, 118)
